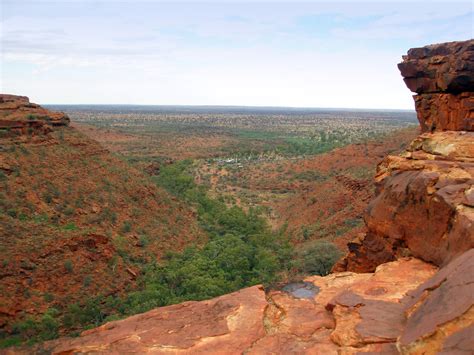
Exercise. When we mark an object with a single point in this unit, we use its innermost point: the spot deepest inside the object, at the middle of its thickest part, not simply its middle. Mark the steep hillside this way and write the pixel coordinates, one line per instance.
(418, 304)
(75, 221)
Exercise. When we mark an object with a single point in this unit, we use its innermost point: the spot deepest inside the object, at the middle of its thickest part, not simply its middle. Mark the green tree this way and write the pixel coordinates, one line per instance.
(317, 258)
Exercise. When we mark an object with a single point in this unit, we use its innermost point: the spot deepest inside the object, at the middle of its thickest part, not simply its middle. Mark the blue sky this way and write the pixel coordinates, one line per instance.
(305, 54)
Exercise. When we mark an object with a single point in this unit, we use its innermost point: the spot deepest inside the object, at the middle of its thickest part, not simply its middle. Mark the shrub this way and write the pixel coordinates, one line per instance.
(12, 212)
(70, 227)
(69, 266)
(126, 227)
(317, 258)
(33, 329)
(48, 297)
(87, 281)
(143, 241)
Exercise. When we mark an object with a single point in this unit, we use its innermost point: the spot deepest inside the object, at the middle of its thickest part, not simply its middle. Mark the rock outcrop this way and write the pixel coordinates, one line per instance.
(424, 205)
(406, 306)
(443, 77)
(18, 116)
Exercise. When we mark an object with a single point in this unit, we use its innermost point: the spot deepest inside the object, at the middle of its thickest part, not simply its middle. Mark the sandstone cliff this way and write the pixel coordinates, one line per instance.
(414, 292)
(425, 201)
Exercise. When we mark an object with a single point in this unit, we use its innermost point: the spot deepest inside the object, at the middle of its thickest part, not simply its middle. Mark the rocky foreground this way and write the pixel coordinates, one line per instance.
(415, 290)
(344, 311)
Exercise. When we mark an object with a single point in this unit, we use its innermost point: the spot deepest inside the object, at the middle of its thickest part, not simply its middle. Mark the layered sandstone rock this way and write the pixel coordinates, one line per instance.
(20, 117)
(406, 306)
(445, 111)
(443, 76)
(444, 67)
(424, 205)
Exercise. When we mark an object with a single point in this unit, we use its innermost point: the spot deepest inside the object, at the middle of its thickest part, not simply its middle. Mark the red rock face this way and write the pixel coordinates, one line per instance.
(425, 208)
(443, 77)
(444, 67)
(445, 111)
(424, 205)
(441, 312)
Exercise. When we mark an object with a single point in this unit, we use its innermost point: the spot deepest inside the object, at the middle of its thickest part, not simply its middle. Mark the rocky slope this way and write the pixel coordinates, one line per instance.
(74, 219)
(414, 294)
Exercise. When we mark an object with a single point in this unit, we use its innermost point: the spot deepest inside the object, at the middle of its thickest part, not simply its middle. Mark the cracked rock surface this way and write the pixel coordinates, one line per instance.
(350, 313)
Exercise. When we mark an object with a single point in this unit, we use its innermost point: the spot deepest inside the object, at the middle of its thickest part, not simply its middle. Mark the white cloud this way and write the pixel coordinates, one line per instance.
(215, 54)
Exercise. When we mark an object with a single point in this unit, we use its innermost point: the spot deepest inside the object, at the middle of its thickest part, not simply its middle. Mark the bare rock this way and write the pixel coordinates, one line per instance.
(351, 313)
(424, 204)
(20, 117)
(441, 311)
(444, 67)
(443, 111)
(443, 77)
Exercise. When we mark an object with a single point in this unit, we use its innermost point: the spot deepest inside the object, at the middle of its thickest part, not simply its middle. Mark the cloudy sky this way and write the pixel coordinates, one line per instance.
(306, 54)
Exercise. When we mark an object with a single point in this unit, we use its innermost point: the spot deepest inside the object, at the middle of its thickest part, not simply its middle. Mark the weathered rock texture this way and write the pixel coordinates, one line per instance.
(440, 312)
(445, 111)
(350, 313)
(20, 117)
(443, 76)
(406, 306)
(425, 205)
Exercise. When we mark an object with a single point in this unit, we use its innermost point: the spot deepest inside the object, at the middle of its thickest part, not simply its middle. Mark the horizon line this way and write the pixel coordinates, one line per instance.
(234, 106)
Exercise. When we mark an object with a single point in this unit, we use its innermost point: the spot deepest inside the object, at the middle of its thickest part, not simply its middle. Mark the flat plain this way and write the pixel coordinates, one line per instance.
(305, 170)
